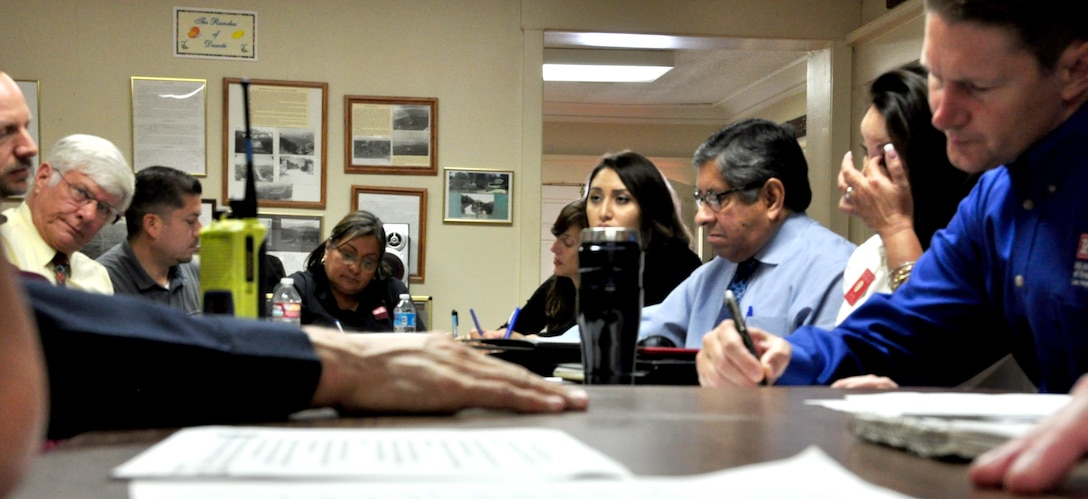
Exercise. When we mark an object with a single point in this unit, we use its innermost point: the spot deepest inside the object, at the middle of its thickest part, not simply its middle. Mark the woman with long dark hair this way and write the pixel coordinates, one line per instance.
(627, 190)
(906, 191)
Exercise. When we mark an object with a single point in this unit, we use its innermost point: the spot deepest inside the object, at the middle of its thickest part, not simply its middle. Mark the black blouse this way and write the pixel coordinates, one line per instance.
(663, 268)
(373, 315)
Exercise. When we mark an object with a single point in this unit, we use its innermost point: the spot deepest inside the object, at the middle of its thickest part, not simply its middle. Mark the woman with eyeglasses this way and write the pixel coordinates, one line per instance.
(627, 190)
(345, 284)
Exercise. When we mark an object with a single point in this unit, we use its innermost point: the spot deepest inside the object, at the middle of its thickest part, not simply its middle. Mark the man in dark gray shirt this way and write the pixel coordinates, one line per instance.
(156, 261)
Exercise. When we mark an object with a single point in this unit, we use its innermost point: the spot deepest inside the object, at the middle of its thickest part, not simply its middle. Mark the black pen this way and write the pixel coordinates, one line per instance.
(742, 328)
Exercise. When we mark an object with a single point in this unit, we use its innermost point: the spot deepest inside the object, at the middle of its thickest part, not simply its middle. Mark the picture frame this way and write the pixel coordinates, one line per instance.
(478, 196)
(290, 143)
(169, 123)
(292, 237)
(399, 205)
(215, 34)
(207, 212)
(393, 135)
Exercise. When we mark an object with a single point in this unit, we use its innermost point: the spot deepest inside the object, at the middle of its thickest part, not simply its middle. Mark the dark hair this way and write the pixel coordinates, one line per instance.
(573, 214)
(355, 224)
(900, 96)
(1044, 27)
(558, 310)
(158, 189)
(659, 220)
(751, 152)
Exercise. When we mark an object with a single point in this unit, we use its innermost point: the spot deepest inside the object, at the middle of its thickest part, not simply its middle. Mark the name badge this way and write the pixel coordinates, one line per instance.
(859, 287)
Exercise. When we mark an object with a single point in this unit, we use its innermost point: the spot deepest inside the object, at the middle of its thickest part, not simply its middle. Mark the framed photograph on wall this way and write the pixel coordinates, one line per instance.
(478, 196)
(397, 135)
(289, 122)
(399, 205)
(291, 238)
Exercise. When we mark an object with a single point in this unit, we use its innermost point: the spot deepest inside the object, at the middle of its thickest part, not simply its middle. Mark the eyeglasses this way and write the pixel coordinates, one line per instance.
(82, 197)
(714, 199)
(348, 258)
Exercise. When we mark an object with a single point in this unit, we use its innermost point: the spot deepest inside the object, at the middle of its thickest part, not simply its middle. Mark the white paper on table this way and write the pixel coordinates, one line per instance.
(371, 454)
(572, 335)
(811, 473)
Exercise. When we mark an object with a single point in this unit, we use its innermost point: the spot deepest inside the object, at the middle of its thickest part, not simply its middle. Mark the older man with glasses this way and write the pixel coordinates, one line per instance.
(783, 267)
(83, 186)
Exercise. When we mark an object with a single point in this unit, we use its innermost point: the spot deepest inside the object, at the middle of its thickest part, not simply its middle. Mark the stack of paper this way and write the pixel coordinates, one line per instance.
(289, 463)
(217, 452)
(944, 425)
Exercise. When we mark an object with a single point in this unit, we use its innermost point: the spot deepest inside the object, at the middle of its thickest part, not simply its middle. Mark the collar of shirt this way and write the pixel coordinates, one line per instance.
(143, 280)
(1047, 163)
(781, 246)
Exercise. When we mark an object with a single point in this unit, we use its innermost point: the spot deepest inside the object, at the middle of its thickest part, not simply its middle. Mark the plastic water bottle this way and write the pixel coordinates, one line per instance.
(404, 316)
(286, 303)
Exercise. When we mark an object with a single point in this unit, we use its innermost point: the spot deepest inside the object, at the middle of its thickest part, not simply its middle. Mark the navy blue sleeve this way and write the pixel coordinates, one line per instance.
(120, 362)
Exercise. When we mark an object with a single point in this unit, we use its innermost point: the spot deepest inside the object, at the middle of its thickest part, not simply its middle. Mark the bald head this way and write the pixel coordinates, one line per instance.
(17, 147)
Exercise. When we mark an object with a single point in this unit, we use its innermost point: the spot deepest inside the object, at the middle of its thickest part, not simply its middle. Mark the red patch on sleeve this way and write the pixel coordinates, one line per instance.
(859, 287)
(380, 312)
(1082, 248)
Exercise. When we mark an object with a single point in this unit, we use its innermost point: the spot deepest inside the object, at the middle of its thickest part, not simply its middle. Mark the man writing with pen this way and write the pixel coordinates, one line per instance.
(1008, 85)
(783, 268)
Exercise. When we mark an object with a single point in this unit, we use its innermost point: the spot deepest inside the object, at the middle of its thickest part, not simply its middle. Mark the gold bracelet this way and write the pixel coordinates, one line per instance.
(900, 275)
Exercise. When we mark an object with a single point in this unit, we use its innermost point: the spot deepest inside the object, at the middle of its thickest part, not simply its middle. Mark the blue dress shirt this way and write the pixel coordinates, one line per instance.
(1009, 274)
(799, 282)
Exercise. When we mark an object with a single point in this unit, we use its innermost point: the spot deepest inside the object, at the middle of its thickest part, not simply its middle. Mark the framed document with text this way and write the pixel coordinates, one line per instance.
(289, 127)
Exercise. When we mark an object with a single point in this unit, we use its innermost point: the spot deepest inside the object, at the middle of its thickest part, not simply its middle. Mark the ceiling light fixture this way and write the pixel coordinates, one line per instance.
(625, 40)
(603, 73)
(605, 65)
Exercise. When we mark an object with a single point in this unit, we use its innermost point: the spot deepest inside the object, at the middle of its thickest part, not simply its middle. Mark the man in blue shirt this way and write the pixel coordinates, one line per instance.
(1008, 83)
(784, 267)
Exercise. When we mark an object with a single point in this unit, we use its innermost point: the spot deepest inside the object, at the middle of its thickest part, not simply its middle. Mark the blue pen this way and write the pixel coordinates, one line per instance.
(476, 321)
(510, 324)
(455, 324)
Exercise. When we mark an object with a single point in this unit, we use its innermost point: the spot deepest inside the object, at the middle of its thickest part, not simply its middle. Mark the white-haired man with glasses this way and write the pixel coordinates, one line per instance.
(83, 186)
(784, 268)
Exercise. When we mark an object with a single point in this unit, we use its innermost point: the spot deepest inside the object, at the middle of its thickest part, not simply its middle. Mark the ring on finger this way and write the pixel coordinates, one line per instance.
(849, 189)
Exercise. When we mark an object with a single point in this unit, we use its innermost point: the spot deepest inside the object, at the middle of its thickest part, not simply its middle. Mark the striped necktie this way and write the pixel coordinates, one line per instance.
(61, 269)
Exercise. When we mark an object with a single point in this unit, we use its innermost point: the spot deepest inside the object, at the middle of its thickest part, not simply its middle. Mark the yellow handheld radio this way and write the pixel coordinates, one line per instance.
(232, 248)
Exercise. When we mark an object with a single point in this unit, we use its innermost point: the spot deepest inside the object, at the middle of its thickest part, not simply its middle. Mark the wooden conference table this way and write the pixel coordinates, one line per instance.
(653, 430)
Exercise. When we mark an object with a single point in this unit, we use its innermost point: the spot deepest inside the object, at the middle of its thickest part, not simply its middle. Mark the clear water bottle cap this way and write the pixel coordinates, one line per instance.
(290, 281)
(405, 296)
